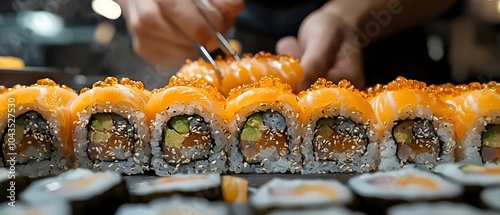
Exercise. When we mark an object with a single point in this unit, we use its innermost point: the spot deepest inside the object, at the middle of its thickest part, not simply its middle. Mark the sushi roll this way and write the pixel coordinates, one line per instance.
(438, 209)
(52, 208)
(11, 184)
(474, 178)
(265, 128)
(412, 125)
(35, 128)
(477, 122)
(207, 186)
(189, 133)
(110, 127)
(489, 198)
(380, 190)
(175, 205)
(283, 194)
(337, 129)
(245, 71)
(87, 192)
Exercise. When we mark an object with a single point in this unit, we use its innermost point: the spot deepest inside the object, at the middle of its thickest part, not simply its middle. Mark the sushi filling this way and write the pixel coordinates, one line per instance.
(263, 133)
(28, 140)
(490, 150)
(111, 137)
(186, 139)
(414, 138)
(338, 135)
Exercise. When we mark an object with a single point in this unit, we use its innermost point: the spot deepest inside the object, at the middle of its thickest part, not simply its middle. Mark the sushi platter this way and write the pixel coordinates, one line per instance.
(244, 142)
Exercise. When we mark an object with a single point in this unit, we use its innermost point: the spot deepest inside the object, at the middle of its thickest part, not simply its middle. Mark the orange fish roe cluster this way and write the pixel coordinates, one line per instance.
(269, 82)
(3, 89)
(112, 81)
(47, 82)
(260, 56)
(322, 83)
(450, 90)
(402, 83)
(193, 82)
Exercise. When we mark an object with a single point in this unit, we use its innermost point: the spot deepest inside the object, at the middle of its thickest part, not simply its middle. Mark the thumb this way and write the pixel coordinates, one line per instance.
(320, 37)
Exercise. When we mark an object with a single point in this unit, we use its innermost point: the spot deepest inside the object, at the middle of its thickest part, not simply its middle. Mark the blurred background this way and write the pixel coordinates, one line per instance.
(77, 42)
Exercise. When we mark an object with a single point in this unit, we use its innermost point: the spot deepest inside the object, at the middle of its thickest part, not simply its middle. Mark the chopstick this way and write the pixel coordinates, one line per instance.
(223, 43)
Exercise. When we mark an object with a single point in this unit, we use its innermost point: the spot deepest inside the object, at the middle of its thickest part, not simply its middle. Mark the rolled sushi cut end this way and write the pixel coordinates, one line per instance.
(437, 209)
(87, 191)
(111, 137)
(175, 205)
(471, 174)
(206, 186)
(490, 147)
(300, 194)
(52, 208)
(264, 134)
(186, 139)
(490, 198)
(417, 142)
(27, 144)
(405, 184)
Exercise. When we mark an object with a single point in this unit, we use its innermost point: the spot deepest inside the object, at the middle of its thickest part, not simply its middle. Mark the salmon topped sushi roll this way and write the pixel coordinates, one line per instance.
(412, 125)
(265, 128)
(476, 117)
(110, 128)
(337, 122)
(188, 128)
(248, 70)
(36, 128)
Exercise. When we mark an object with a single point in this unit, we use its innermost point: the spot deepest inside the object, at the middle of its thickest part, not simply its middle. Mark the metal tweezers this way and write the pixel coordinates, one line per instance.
(223, 43)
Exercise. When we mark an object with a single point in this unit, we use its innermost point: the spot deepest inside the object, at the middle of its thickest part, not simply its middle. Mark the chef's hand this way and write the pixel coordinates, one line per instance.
(325, 46)
(156, 27)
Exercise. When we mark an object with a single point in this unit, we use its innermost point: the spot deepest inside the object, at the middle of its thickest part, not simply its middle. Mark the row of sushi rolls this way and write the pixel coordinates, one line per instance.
(407, 147)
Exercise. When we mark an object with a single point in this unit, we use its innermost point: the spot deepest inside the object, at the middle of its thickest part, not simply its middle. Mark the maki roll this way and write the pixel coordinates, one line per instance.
(297, 194)
(477, 122)
(247, 70)
(35, 128)
(413, 125)
(175, 205)
(110, 128)
(52, 208)
(337, 124)
(265, 128)
(474, 178)
(380, 190)
(189, 133)
(489, 198)
(88, 192)
(207, 186)
(437, 209)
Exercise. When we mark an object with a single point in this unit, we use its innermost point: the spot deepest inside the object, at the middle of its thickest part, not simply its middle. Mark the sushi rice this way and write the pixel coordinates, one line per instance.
(440, 208)
(52, 208)
(408, 184)
(321, 211)
(179, 183)
(490, 197)
(471, 174)
(175, 205)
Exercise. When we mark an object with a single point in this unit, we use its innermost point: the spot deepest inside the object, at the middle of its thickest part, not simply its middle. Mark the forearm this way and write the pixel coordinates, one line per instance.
(380, 18)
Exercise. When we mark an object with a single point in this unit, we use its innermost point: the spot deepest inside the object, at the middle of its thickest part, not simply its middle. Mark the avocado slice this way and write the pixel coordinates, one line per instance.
(250, 133)
(325, 132)
(173, 139)
(102, 122)
(326, 121)
(468, 168)
(180, 124)
(491, 136)
(251, 129)
(255, 121)
(18, 134)
(403, 132)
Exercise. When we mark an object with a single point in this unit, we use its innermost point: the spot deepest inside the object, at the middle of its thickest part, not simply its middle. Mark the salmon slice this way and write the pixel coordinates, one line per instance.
(248, 70)
(234, 189)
